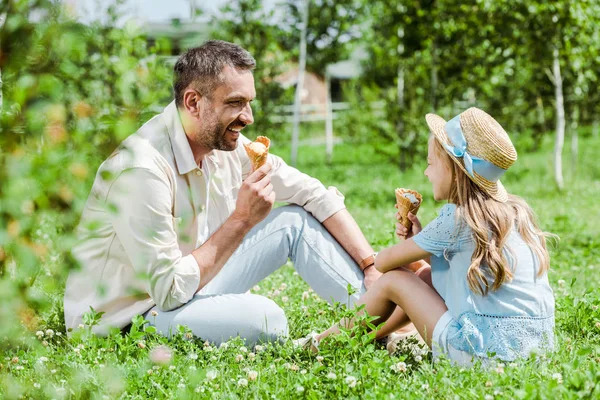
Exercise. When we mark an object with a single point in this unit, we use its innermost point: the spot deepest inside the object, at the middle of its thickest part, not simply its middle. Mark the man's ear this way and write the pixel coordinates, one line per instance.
(192, 101)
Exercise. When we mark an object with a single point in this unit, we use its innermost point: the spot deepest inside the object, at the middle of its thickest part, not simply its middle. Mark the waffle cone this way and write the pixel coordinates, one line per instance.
(258, 159)
(405, 206)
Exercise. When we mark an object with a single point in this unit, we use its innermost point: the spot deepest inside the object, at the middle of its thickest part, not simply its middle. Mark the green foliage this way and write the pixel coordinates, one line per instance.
(72, 92)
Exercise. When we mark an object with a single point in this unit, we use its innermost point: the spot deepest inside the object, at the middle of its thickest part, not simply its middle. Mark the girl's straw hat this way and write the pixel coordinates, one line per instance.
(478, 145)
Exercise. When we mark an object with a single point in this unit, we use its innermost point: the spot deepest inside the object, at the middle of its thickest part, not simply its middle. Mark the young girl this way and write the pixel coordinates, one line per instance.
(490, 294)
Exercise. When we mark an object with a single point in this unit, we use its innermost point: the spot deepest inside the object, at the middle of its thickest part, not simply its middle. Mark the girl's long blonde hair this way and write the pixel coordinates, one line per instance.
(491, 223)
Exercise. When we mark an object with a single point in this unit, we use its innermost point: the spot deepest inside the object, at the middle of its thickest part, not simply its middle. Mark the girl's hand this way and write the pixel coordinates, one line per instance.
(402, 232)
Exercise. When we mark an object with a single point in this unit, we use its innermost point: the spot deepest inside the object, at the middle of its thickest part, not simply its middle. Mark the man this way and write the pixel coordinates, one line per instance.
(178, 227)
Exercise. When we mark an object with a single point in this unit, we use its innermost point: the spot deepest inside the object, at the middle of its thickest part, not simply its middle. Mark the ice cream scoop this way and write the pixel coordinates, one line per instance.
(258, 151)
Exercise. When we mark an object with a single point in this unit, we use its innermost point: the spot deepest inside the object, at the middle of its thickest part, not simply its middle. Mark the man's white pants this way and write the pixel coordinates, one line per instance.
(223, 309)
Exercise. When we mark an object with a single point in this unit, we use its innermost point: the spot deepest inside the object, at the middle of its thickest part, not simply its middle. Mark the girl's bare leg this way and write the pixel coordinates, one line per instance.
(416, 299)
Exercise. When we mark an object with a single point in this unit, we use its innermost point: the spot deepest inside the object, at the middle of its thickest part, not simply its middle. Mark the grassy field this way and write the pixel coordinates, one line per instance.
(48, 365)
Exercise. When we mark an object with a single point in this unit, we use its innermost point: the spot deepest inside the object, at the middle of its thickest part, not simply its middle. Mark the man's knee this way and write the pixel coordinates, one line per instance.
(268, 320)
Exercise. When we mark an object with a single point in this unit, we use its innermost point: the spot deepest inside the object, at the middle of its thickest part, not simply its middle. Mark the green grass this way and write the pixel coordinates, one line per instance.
(85, 366)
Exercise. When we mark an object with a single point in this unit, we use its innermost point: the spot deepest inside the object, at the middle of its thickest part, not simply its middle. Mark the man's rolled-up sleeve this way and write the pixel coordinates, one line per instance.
(140, 202)
(293, 186)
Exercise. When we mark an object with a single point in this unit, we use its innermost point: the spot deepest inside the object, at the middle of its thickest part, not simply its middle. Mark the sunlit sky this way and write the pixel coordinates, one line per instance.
(149, 10)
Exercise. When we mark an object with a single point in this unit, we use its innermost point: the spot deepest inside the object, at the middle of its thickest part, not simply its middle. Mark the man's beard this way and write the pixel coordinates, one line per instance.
(214, 136)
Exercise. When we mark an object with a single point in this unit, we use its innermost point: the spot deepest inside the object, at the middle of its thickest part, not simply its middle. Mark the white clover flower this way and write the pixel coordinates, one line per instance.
(19, 368)
(418, 359)
(285, 299)
(224, 346)
(43, 359)
(213, 358)
(242, 382)
(276, 292)
(141, 345)
(294, 367)
(53, 371)
(154, 313)
(44, 343)
(252, 375)
(37, 385)
(59, 333)
(192, 368)
(212, 374)
(305, 295)
(399, 367)
(193, 356)
(598, 324)
(303, 371)
(304, 308)
(258, 348)
(488, 397)
(320, 358)
(251, 356)
(49, 333)
(81, 326)
(209, 349)
(181, 386)
(331, 375)
(172, 367)
(425, 386)
(283, 286)
(243, 349)
(39, 334)
(350, 381)
(488, 384)
(77, 350)
(500, 369)
(557, 376)
(561, 282)
(239, 358)
(299, 389)
(256, 288)
(513, 365)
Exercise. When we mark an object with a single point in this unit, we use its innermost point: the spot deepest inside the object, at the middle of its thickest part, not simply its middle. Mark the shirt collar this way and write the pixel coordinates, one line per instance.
(184, 158)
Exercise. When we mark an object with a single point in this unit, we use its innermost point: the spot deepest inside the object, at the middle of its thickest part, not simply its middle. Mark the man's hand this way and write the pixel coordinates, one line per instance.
(402, 232)
(256, 197)
(371, 275)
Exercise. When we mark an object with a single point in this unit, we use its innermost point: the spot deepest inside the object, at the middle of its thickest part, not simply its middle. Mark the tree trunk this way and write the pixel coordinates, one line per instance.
(400, 124)
(328, 121)
(560, 121)
(299, 85)
(434, 76)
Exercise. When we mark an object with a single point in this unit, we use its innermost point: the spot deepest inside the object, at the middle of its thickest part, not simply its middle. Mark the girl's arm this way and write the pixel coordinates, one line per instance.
(398, 255)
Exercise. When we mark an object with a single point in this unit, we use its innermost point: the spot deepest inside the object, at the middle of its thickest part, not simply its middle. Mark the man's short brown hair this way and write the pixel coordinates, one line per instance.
(202, 67)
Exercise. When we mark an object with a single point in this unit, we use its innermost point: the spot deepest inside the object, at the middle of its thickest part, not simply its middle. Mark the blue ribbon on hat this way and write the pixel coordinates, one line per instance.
(458, 149)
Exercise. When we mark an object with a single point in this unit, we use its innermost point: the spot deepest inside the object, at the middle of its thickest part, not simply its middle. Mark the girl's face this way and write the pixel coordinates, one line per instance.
(438, 171)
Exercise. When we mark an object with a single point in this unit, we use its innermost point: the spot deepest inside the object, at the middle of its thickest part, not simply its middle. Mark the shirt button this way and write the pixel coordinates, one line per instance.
(199, 172)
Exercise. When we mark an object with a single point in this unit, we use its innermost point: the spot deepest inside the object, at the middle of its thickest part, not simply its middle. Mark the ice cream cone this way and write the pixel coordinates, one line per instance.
(258, 151)
(405, 205)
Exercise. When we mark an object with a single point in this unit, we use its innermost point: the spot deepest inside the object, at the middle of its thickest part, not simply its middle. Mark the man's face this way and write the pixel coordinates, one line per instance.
(228, 111)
